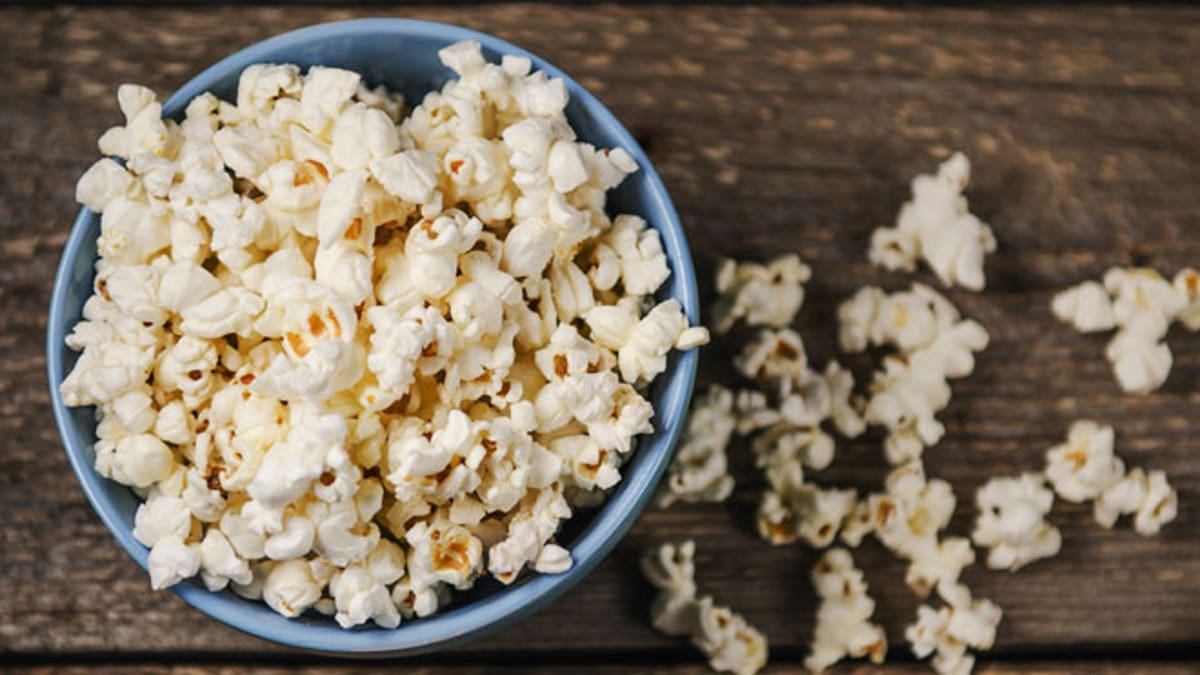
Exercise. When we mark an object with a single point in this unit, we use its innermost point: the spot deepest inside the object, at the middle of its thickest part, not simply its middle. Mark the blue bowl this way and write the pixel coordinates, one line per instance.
(402, 55)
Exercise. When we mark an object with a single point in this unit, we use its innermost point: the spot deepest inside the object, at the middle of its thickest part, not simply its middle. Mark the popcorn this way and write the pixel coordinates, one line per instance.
(907, 517)
(1149, 496)
(220, 564)
(171, 561)
(936, 226)
(103, 182)
(1084, 466)
(699, 471)
(354, 362)
(843, 618)
(1011, 521)
(290, 588)
(964, 622)
(140, 460)
(1086, 307)
(729, 642)
(161, 516)
(935, 344)
(762, 295)
(1141, 305)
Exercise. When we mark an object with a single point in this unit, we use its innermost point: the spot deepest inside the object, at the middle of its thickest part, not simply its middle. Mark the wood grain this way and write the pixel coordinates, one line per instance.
(775, 129)
(1030, 668)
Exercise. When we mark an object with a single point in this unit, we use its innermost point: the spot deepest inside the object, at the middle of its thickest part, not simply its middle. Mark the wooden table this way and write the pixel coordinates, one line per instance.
(775, 129)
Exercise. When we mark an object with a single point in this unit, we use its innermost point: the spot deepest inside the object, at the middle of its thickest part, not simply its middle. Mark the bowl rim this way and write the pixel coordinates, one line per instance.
(482, 616)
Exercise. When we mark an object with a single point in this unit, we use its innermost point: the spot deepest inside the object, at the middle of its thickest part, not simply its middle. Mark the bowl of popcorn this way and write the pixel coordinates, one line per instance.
(372, 338)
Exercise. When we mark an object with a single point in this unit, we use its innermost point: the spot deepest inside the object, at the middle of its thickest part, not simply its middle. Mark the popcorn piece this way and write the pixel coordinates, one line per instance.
(671, 569)
(171, 561)
(907, 518)
(1149, 496)
(1140, 364)
(962, 623)
(762, 295)
(1086, 307)
(936, 226)
(1187, 285)
(1011, 521)
(220, 564)
(290, 588)
(729, 642)
(935, 344)
(1143, 305)
(700, 470)
(843, 625)
(1084, 466)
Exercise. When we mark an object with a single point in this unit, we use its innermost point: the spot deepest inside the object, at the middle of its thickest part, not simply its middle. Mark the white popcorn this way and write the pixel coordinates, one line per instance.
(1187, 285)
(293, 541)
(159, 517)
(1141, 304)
(290, 588)
(1140, 364)
(307, 308)
(144, 129)
(172, 560)
(410, 175)
(699, 471)
(1086, 307)
(1149, 496)
(762, 295)
(289, 468)
(964, 622)
(907, 518)
(103, 182)
(1011, 521)
(644, 354)
(220, 564)
(140, 460)
(360, 597)
(843, 625)
(935, 344)
(937, 227)
(231, 310)
(1084, 466)
(730, 643)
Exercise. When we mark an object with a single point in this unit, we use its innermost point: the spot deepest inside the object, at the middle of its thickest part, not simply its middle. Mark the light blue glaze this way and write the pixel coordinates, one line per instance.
(401, 54)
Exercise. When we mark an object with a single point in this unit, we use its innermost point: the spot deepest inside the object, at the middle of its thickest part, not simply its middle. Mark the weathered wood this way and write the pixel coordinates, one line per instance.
(776, 129)
(1029, 668)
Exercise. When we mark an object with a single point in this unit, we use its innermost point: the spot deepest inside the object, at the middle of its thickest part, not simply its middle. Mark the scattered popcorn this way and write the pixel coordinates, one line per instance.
(699, 471)
(844, 629)
(935, 344)
(761, 295)
(936, 227)
(730, 643)
(906, 518)
(354, 361)
(962, 623)
(1149, 496)
(1141, 305)
(1011, 522)
(1087, 307)
(1085, 467)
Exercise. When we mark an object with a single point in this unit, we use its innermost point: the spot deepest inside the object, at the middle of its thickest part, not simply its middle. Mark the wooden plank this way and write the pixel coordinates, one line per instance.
(776, 129)
(1024, 668)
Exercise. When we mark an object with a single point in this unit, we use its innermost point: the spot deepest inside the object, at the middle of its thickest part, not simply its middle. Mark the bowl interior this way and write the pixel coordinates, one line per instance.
(401, 55)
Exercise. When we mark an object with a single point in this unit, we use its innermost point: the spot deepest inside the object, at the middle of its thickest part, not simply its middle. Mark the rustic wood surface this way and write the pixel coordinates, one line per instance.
(775, 129)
